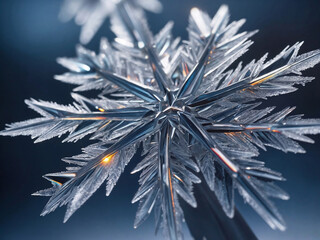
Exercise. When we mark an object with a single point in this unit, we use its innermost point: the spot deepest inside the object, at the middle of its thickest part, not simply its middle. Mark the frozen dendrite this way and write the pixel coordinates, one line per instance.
(91, 14)
(185, 107)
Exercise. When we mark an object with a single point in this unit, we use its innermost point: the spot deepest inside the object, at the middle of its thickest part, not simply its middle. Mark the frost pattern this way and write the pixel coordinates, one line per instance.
(184, 106)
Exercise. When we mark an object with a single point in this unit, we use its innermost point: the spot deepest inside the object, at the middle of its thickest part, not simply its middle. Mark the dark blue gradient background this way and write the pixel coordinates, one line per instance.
(31, 38)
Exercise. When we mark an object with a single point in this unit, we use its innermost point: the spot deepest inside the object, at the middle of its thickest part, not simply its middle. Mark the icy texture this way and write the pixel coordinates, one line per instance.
(184, 106)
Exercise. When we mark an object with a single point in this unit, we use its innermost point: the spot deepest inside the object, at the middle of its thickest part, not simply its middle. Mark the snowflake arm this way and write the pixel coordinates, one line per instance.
(254, 83)
(59, 119)
(68, 191)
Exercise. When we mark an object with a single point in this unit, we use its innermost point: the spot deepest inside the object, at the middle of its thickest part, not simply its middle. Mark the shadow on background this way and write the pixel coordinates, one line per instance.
(31, 38)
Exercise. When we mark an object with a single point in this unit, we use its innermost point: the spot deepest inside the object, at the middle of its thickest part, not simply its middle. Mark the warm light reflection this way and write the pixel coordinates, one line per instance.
(277, 131)
(106, 124)
(262, 80)
(262, 128)
(225, 159)
(177, 177)
(108, 158)
(171, 190)
(185, 70)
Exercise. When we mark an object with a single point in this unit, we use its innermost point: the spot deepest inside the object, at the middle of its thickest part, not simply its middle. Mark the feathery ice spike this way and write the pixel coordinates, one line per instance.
(193, 116)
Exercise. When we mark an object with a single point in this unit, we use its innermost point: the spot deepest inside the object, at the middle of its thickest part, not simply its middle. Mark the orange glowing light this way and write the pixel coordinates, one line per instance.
(105, 125)
(171, 189)
(108, 158)
(185, 70)
(262, 128)
(262, 80)
(247, 135)
(229, 83)
(101, 109)
(153, 67)
(231, 133)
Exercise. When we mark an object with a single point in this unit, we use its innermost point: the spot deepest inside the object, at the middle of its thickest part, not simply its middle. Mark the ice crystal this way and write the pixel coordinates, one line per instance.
(184, 106)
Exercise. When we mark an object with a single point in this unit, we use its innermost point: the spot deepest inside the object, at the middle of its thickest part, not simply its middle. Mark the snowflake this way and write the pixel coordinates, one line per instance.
(184, 108)
(91, 14)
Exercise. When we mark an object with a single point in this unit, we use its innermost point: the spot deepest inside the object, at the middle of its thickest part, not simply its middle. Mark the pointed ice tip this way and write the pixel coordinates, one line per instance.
(223, 10)
(138, 222)
(278, 224)
(29, 101)
(225, 7)
(38, 140)
(242, 21)
(133, 201)
(43, 213)
(75, 96)
(194, 10)
(67, 216)
(255, 31)
(285, 197)
(282, 226)
(195, 205)
(57, 77)
(59, 60)
(35, 194)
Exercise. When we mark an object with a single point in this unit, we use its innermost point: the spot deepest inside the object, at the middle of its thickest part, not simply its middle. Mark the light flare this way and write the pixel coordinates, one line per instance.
(108, 158)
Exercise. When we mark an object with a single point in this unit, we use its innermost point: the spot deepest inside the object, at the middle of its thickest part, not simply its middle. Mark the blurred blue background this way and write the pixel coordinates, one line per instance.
(31, 38)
